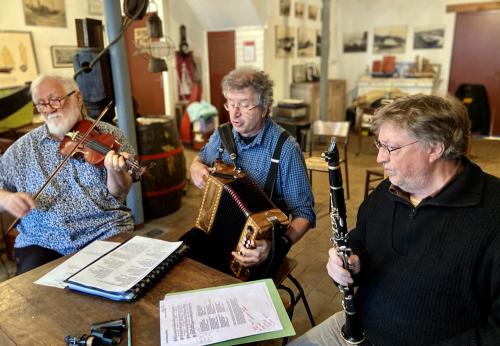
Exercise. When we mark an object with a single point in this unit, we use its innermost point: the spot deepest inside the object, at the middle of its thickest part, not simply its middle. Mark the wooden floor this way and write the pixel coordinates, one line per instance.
(311, 251)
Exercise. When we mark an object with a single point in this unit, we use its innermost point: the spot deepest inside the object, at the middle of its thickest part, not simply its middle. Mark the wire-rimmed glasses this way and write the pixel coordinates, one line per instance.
(244, 108)
(388, 149)
(54, 103)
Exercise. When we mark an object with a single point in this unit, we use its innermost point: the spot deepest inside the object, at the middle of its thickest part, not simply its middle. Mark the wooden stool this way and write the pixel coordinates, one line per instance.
(371, 177)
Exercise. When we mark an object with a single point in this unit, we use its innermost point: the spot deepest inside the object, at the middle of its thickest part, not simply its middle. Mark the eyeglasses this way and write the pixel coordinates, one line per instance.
(54, 103)
(389, 150)
(231, 107)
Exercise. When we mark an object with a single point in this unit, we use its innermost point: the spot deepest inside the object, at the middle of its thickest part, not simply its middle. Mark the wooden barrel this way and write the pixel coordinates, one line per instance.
(163, 184)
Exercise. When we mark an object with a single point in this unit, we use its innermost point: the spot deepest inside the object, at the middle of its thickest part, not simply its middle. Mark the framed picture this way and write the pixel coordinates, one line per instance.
(45, 13)
(62, 56)
(285, 41)
(428, 37)
(299, 73)
(389, 39)
(249, 51)
(285, 7)
(18, 63)
(95, 7)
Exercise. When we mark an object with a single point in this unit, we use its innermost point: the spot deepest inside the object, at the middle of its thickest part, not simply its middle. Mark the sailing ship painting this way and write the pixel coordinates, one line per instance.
(6, 60)
(17, 58)
(45, 12)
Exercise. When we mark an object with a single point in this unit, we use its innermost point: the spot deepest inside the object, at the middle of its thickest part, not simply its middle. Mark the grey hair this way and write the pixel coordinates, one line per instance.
(248, 77)
(431, 120)
(67, 83)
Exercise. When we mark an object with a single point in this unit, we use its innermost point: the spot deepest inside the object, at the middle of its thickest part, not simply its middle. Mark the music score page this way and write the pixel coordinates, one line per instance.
(204, 317)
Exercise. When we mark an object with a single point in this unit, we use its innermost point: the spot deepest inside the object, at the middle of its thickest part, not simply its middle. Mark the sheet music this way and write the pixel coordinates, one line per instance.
(56, 277)
(122, 268)
(207, 316)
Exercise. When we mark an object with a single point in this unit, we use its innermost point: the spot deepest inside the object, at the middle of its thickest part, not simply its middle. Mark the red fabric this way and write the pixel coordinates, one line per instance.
(185, 128)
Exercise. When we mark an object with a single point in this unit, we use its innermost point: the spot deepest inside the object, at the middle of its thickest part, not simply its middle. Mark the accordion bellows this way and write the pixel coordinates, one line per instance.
(234, 211)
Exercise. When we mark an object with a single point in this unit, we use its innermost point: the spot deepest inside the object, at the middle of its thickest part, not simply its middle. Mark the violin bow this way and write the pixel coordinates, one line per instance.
(63, 162)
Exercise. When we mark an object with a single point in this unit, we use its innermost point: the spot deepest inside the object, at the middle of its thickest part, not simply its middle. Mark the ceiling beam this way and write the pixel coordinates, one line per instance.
(473, 7)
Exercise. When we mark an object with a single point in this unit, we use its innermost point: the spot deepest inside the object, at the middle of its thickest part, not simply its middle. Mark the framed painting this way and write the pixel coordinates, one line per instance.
(18, 63)
(62, 56)
(45, 13)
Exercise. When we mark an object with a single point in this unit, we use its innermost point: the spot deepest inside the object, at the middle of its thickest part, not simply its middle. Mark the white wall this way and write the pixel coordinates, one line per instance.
(280, 69)
(12, 19)
(365, 15)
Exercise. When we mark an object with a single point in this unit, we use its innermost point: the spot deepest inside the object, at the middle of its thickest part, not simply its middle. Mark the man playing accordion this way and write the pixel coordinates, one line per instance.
(249, 97)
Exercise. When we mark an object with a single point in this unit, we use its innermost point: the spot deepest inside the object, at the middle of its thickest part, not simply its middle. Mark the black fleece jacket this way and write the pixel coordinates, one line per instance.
(431, 274)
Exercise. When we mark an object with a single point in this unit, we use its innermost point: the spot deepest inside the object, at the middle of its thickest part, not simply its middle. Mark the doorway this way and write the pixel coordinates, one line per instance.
(221, 61)
(476, 49)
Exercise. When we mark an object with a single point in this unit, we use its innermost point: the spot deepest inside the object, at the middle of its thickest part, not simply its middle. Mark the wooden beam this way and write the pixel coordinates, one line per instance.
(474, 7)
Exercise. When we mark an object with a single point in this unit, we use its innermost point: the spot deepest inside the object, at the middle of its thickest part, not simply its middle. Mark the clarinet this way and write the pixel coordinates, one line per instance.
(351, 331)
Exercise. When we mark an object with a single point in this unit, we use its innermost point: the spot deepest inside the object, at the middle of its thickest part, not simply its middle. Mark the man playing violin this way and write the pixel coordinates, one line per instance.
(82, 202)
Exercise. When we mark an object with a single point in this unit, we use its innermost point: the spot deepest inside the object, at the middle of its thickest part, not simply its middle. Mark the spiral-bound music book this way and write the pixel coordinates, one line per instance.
(127, 271)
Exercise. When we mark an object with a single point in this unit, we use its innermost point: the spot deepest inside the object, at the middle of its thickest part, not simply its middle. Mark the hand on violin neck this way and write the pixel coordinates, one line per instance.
(115, 162)
(119, 180)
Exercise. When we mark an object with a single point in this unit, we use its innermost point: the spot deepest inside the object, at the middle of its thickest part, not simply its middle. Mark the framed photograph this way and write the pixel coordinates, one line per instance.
(285, 41)
(355, 42)
(299, 9)
(18, 63)
(95, 7)
(285, 7)
(299, 73)
(45, 13)
(249, 51)
(305, 42)
(389, 39)
(428, 37)
(313, 12)
(62, 56)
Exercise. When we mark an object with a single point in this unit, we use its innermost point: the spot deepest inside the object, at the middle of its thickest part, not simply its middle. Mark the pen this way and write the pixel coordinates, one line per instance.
(129, 330)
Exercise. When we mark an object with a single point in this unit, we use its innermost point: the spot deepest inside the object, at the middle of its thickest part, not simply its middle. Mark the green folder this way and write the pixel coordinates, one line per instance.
(278, 305)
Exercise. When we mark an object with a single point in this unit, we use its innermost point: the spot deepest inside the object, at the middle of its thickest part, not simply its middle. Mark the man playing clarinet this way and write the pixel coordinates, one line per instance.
(425, 250)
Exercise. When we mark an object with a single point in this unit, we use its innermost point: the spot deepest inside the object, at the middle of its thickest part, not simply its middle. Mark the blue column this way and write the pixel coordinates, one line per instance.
(123, 95)
(325, 51)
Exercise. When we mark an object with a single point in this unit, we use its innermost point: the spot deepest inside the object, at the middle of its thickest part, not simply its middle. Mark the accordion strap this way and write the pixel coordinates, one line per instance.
(275, 161)
(226, 136)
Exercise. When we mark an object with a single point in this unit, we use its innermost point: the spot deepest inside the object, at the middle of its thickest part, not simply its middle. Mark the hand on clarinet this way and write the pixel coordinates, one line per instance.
(336, 270)
(255, 254)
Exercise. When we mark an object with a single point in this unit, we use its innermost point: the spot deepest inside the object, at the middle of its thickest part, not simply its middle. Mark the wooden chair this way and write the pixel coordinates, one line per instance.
(320, 129)
(292, 294)
(362, 124)
(372, 176)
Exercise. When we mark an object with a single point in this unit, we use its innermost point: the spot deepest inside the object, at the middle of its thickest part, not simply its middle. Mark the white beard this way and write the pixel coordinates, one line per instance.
(59, 124)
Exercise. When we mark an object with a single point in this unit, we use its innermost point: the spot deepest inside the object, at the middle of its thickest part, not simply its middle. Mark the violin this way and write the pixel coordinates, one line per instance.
(94, 147)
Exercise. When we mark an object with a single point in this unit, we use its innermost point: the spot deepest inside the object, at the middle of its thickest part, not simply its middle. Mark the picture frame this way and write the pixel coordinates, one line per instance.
(45, 13)
(18, 62)
(62, 56)
(96, 7)
(299, 73)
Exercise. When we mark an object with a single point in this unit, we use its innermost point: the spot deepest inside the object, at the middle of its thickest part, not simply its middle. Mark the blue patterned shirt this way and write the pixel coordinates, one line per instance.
(76, 207)
(292, 185)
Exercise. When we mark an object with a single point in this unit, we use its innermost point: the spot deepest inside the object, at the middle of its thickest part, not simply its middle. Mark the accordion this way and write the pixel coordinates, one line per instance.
(234, 211)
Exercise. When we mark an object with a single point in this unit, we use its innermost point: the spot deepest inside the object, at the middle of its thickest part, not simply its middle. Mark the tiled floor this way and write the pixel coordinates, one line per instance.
(311, 251)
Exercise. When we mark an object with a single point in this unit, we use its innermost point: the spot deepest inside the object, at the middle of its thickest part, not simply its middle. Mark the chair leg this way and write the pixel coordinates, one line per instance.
(304, 299)
(311, 177)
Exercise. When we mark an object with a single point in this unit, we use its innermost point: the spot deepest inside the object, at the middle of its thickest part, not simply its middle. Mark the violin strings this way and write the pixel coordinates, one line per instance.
(92, 144)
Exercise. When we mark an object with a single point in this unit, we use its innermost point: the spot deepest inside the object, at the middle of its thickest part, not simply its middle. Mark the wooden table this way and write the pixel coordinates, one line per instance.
(31, 314)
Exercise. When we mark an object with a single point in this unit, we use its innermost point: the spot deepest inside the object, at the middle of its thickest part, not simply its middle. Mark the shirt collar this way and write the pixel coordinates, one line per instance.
(464, 189)
(257, 140)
